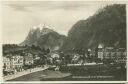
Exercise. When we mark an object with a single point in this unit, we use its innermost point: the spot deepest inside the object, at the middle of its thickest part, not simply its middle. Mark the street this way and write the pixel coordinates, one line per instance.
(25, 72)
(37, 76)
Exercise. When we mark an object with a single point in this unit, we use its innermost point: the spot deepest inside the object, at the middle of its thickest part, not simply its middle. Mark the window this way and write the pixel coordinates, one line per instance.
(18, 61)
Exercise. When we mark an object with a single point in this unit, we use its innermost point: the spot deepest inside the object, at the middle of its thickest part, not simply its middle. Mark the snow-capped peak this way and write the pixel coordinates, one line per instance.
(41, 26)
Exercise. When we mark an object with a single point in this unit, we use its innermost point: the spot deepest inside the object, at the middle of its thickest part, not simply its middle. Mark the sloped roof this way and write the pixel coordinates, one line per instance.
(101, 45)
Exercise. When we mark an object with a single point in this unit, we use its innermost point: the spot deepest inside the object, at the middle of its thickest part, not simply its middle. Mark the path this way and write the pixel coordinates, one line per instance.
(25, 72)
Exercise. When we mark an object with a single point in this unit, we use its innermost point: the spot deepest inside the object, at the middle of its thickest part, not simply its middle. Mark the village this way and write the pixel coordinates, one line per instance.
(64, 41)
(12, 64)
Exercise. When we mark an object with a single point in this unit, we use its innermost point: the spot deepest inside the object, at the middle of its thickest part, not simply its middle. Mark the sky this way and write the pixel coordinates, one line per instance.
(18, 17)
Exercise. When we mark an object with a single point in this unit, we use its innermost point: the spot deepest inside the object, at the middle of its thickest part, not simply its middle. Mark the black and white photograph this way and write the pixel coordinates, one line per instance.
(66, 83)
(63, 41)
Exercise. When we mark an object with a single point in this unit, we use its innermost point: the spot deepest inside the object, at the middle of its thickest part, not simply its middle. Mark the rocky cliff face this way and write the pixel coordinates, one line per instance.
(45, 38)
(108, 27)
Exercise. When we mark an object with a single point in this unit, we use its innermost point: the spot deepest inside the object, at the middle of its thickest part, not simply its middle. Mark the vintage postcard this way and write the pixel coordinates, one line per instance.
(63, 41)
(67, 83)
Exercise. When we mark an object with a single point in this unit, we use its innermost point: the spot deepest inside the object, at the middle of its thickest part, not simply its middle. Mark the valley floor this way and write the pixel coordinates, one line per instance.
(77, 73)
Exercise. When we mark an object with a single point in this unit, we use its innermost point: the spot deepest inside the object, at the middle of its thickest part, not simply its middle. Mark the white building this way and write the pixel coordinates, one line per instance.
(17, 62)
(55, 55)
(100, 51)
(7, 64)
(28, 60)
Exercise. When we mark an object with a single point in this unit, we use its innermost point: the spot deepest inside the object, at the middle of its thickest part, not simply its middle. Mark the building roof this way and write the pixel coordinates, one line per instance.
(100, 45)
(28, 58)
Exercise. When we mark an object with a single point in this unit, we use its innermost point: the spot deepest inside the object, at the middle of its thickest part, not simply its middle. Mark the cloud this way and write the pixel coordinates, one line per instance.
(19, 7)
(46, 5)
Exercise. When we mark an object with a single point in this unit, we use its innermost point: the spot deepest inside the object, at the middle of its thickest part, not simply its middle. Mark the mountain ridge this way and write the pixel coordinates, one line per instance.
(107, 26)
(45, 38)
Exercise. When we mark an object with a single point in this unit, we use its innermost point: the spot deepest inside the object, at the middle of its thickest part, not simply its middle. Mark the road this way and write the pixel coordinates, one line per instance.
(25, 72)
(37, 76)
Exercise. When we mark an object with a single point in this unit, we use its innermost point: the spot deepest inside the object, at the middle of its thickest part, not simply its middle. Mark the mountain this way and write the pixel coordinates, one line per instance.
(45, 38)
(106, 26)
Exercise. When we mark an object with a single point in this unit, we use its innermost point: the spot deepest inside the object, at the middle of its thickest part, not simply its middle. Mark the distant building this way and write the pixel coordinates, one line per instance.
(76, 57)
(55, 55)
(7, 64)
(17, 62)
(121, 55)
(118, 55)
(108, 52)
(101, 46)
(28, 60)
(100, 51)
(36, 57)
(91, 53)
